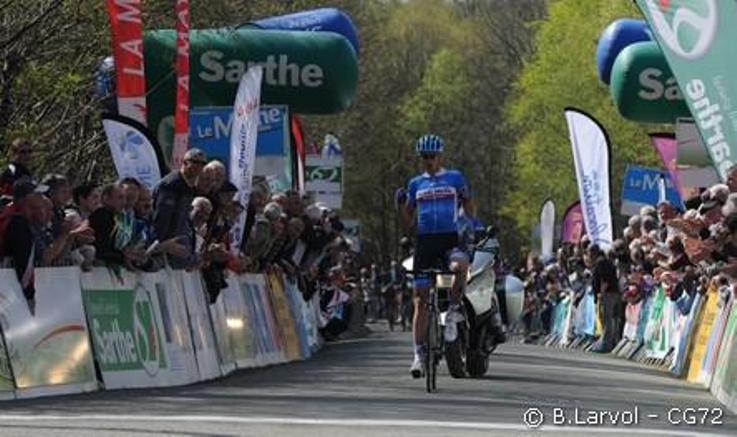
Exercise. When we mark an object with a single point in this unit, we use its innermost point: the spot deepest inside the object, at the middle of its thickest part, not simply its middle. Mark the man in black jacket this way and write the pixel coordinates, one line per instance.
(173, 198)
(605, 284)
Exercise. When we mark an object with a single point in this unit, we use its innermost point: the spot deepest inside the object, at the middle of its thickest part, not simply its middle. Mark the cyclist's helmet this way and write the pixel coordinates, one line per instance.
(429, 144)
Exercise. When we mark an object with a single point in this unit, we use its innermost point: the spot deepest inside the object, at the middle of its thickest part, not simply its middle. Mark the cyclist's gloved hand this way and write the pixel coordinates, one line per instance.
(400, 197)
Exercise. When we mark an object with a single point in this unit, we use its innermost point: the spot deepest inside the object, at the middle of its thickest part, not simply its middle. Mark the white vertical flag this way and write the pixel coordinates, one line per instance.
(590, 146)
(243, 137)
(547, 229)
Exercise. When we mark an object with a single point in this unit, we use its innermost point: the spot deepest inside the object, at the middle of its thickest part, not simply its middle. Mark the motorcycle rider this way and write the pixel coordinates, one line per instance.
(433, 201)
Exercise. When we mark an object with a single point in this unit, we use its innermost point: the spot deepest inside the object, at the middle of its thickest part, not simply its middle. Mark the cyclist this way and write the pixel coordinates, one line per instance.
(432, 205)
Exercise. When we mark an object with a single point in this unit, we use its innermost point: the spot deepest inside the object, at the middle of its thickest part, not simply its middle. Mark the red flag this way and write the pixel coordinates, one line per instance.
(181, 114)
(299, 146)
(127, 38)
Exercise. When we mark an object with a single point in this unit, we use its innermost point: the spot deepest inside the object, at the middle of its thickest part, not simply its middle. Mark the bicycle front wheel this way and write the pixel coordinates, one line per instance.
(433, 349)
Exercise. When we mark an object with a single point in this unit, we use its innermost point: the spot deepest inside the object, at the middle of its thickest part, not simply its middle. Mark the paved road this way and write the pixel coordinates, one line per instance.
(362, 387)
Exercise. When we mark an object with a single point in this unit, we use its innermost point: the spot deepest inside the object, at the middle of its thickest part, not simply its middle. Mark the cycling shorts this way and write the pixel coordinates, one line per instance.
(435, 251)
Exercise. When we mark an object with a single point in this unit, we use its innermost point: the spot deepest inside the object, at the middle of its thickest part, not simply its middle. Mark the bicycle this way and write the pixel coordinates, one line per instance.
(435, 341)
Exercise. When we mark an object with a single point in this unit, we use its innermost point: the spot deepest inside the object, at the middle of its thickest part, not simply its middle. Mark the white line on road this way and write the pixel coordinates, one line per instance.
(490, 426)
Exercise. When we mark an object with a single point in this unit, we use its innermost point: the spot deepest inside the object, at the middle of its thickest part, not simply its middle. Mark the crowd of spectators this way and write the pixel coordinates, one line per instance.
(187, 221)
(684, 248)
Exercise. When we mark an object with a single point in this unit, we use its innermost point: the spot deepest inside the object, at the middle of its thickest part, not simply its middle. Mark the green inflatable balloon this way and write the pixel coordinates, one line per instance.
(643, 87)
(312, 72)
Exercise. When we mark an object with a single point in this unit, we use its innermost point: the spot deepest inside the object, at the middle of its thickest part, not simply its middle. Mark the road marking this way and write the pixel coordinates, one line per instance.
(481, 426)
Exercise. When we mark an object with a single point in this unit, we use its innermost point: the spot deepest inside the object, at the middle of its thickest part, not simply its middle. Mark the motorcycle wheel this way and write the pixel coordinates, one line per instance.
(477, 364)
(455, 355)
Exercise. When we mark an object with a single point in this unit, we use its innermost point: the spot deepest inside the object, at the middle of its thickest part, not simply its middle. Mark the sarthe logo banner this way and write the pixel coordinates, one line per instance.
(135, 151)
(590, 146)
(243, 135)
(698, 40)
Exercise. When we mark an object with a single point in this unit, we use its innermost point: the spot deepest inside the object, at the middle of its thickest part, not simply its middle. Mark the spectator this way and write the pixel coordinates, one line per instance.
(174, 194)
(26, 240)
(605, 285)
(262, 235)
(201, 210)
(256, 204)
(205, 185)
(21, 152)
(86, 199)
(732, 179)
(113, 235)
(217, 168)
(60, 194)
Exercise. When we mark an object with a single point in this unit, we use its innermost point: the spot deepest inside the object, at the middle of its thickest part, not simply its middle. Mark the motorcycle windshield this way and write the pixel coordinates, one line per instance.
(484, 257)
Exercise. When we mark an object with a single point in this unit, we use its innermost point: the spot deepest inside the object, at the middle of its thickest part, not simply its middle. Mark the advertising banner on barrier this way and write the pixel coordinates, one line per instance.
(300, 314)
(203, 337)
(7, 383)
(632, 319)
(139, 333)
(647, 306)
(640, 188)
(683, 335)
(565, 330)
(724, 385)
(585, 315)
(284, 320)
(657, 331)
(697, 38)
(239, 345)
(590, 148)
(714, 345)
(175, 321)
(222, 326)
(704, 325)
(49, 349)
(269, 343)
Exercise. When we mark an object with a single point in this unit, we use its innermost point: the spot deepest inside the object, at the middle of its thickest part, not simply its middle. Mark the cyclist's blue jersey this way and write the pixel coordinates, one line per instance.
(437, 199)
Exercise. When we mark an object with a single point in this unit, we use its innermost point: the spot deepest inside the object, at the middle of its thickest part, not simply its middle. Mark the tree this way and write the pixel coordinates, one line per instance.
(562, 73)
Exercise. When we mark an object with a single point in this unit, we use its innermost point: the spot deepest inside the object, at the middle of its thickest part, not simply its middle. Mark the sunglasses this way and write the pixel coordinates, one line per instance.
(196, 161)
(427, 156)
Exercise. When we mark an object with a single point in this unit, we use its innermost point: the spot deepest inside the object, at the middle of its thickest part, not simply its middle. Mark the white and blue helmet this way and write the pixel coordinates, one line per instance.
(429, 144)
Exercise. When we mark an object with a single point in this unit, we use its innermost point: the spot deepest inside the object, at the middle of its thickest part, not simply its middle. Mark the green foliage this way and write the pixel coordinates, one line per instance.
(563, 73)
(426, 66)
